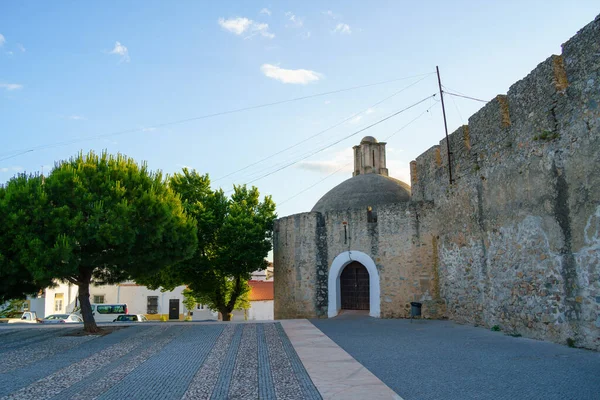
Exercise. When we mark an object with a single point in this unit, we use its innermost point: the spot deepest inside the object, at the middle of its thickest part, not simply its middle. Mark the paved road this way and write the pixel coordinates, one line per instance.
(442, 360)
(153, 361)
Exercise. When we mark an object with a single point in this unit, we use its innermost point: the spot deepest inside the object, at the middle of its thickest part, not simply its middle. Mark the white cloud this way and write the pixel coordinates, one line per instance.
(263, 30)
(330, 14)
(265, 11)
(305, 35)
(296, 76)
(235, 25)
(370, 110)
(343, 29)
(10, 53)
(11, 86)
(21, 48)
(2, 40)
(76, 117)
(295, 21)
(333, 161)
(122, 51)
(16, 168)
(148, 129)
(355, 120)
(242, 25)
(344, 159)
(186, 166)
(327, 101)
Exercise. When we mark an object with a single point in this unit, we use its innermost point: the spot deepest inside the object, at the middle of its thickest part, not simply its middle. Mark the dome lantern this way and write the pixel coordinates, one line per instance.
(369, 157)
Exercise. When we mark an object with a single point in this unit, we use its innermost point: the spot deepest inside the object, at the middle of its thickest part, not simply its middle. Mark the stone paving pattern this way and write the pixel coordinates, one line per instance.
(431, 360)
(153, 361)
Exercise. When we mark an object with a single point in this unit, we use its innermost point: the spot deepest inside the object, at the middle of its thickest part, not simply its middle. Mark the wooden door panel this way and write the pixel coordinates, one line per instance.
(354, 287)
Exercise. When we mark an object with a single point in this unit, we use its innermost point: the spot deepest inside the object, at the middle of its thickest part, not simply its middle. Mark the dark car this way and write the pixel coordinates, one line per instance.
(131, 318)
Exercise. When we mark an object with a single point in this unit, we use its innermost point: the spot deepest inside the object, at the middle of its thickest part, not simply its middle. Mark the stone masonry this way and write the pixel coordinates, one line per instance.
(519, 229)
(514, 241)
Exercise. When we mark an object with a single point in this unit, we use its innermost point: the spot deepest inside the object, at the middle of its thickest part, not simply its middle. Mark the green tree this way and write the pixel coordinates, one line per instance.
(12, 308)
(96, 219)
(22, 224)
(234, 237)
(189, 301)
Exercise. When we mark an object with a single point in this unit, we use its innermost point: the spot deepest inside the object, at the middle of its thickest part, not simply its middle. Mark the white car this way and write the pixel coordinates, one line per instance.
(62, 319)
(131, 318)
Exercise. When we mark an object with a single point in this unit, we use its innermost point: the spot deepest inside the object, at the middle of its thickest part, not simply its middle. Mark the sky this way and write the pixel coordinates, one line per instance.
(144, 78)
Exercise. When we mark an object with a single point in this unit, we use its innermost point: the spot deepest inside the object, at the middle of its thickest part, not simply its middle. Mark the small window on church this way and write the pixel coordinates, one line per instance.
(373, 158)
(371, 215)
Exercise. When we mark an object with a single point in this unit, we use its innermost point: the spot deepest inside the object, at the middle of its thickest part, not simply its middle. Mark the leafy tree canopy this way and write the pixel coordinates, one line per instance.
(234, 237)
(96, 219)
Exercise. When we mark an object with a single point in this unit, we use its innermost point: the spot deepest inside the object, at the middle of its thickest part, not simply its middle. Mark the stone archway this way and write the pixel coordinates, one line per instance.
(333, 284)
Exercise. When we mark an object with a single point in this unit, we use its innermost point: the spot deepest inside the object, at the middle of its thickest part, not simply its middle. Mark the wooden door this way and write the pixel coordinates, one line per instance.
(173, 308)
(354, 287)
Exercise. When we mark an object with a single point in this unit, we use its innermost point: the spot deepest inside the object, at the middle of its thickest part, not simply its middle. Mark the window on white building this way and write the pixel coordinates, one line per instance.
(152, 305)
(58, 302)
(98, 299)
(199, 306)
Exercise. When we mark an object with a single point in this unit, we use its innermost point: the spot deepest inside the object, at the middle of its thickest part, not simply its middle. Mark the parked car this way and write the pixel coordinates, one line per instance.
(131, 318)
(62, 319)
(106, 312)
(27, 317)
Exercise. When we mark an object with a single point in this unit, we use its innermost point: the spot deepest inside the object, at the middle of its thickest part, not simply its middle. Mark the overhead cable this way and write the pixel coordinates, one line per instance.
(340, 140)
(237, 110)
(321, 132)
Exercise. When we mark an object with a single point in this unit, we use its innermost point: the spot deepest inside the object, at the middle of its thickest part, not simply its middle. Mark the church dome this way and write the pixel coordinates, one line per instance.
(368, 139)
(362, 191)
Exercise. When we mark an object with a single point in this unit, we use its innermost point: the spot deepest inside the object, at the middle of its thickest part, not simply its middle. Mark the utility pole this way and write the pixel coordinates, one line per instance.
(445, 126)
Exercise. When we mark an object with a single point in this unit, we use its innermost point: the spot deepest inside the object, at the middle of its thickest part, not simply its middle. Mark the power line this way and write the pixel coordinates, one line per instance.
(321, 132)
(466, 97)
(340, 140)
(237, 110)
(315, 184)
(303, 155)
(410, 122)
(15, 155)
(345, 165)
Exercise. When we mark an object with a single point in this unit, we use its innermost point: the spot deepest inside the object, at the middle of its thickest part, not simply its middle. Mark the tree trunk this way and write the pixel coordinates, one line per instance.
(89, 324)
(225, 313)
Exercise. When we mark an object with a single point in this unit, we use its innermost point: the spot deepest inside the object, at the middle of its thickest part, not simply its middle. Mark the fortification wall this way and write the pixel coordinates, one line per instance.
(519, 229)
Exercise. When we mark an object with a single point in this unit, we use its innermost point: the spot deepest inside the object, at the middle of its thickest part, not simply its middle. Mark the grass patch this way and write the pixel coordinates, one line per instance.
(495, 328)
(571, 342)
(547, 136)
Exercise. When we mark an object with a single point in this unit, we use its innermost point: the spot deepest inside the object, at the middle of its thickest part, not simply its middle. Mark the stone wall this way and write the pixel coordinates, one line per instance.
(519, 229)
(298, 266)
(397, 237)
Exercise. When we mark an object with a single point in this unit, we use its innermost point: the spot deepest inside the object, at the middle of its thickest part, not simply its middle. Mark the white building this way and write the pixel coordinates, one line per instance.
(139, 299)
(154, 304)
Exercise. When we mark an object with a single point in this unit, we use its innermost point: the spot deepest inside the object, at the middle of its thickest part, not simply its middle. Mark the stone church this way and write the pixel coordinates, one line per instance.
(358, 249)
(512, 238)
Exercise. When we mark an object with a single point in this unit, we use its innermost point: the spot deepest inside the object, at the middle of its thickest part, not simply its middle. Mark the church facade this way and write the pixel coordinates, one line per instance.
(359, 248)
(511, 239)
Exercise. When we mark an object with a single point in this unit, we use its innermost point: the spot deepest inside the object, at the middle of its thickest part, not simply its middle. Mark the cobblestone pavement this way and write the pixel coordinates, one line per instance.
(153, 361)
(443, 360)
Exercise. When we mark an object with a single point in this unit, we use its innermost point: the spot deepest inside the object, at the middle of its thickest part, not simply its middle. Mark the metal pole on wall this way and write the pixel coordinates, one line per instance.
(445, 125)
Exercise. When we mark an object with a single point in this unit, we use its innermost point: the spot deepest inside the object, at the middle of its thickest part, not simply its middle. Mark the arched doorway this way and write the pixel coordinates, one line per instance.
(354, 287)
(334, 298)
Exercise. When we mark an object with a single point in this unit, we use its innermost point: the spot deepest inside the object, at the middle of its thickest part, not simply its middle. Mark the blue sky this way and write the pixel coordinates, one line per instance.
(70, 71)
